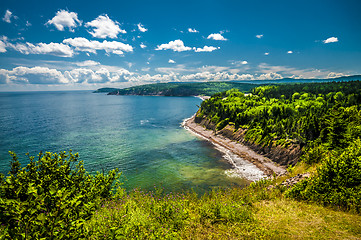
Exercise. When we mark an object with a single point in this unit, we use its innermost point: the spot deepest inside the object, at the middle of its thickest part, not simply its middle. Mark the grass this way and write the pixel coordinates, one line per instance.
(251, 213)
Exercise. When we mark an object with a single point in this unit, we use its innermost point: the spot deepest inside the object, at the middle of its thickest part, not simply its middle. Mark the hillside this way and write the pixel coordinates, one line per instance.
(183, 89)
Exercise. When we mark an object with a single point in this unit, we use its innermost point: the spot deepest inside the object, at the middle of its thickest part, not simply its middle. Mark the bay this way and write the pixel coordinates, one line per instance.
(140, 135)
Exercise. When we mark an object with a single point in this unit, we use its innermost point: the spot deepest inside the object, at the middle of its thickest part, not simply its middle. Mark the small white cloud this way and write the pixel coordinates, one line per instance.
(259, 36)
(289, 52)
(28, 24)
(216, 36)
(171, 61)
(2, 47)
(142, 45)
(206, 49)
(266, 53)
(141, 28)
(331, 40)
(244, 62)
(8, 15)
(176, 46)
(335, 75)
(104, 27)
(192, 30)
(84, 45)
(65, 19)
(88, 63)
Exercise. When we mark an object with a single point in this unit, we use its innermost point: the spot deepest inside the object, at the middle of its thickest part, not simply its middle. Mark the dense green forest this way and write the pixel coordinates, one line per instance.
(183, 89)
(324, 119)
(53, 197)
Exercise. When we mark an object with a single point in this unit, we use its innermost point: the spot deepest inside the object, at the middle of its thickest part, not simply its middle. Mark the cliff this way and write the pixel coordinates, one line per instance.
(281, 155)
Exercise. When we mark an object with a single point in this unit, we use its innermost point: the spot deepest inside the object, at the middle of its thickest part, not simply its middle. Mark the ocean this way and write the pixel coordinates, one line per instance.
(142, 136)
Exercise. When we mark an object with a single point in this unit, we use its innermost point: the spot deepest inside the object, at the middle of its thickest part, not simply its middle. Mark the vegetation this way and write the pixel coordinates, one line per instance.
(324, 119)
(53, 197)
(42, 209)
(105, 90)
(183, 89)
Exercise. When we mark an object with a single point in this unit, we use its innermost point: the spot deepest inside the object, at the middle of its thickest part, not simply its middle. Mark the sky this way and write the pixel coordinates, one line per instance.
(75, 45)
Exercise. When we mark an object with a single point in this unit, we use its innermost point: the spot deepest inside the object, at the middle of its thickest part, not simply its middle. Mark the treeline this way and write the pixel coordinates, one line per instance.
(183, 89)
(324, 119)
(301, 113)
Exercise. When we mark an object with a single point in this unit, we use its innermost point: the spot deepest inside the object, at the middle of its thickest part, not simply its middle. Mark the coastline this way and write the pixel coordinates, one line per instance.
(264, 164)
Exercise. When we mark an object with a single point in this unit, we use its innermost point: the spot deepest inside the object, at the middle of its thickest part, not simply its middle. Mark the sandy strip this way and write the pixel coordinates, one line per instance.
(263, 163)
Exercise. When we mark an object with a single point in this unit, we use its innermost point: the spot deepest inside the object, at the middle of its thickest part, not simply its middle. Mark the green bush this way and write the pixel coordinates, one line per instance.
(51, 198)
(337, 181)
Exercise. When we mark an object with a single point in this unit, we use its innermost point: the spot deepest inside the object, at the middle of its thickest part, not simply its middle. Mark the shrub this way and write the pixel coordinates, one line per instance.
(337, 181)
(50, 197)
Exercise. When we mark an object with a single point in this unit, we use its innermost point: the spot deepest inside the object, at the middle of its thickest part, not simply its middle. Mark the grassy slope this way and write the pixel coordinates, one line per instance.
(251, 213)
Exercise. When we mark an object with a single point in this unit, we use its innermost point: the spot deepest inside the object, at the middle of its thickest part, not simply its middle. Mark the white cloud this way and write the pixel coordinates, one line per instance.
(270, 76)
(176, 45)
(141, 28)
(8, 15)
(2, 47)
(36, 75)
(56, 49)
(331, 40)
(28, 24)
(244, 62)
(259, 36)
(289, 52)
(216, 36)
(171, 61)
(335, 75)
(192, 30)
(266, 53)
(142, 45)
(65, 19)
(104, 27)
(87, 63)
(206, 49)
(84, 45)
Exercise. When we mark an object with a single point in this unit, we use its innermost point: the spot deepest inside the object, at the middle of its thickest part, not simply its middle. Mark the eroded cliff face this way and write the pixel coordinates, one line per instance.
(283, 156)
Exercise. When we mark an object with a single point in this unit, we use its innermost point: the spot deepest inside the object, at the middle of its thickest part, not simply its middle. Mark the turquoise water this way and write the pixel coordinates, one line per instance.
(140, 135)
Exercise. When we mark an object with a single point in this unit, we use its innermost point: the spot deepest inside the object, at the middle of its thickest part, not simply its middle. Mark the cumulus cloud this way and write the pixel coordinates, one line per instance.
(176, 46)
(266, 53)
(142, 45)
(259, 36)
(2, 47)
(331, 40)
(290, 52)
(192, 30)
(141, 28)
(56, 49)
(84, 45)
(216, 36)
(104, 27)
(335, 75)
(36, 75)
(171, 61)
(64, 19)
(244, 62)
(270, 76)
(8, 15)
(206, 49)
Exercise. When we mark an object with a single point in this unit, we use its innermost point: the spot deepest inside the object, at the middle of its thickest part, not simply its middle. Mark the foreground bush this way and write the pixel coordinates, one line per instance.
(51, 197)
(337, 181)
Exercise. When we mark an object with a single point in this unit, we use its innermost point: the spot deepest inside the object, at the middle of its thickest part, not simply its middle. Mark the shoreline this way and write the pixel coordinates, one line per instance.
(262, 163)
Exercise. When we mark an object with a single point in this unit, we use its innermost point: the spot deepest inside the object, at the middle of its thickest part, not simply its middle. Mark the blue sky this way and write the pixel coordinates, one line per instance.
(55, 45)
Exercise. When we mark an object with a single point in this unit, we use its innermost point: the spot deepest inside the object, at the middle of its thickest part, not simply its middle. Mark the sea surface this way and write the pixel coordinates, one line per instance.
(142, 136)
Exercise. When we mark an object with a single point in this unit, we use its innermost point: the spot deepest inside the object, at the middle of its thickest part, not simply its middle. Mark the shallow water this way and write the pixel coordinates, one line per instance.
(140, 135)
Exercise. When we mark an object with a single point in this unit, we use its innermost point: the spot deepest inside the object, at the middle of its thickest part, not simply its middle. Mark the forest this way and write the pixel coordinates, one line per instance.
(183, 89)
(324, 119)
